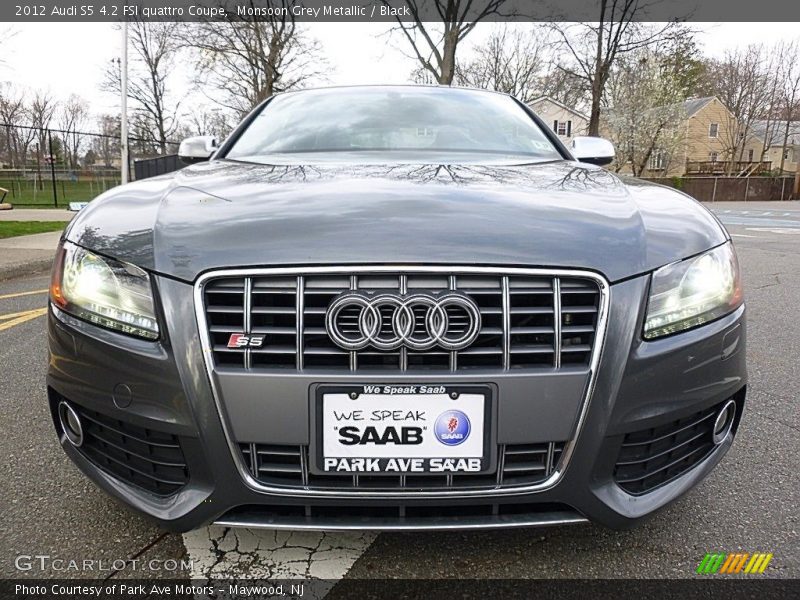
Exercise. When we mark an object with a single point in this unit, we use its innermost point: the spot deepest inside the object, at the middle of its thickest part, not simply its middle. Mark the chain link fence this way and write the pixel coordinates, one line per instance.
(46, 167)
(732, 189)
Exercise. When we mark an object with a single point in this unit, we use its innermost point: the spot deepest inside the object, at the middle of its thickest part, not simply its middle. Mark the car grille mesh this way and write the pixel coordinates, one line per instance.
(653, 457)
(287, 466)
(527, 322)
(145, 458)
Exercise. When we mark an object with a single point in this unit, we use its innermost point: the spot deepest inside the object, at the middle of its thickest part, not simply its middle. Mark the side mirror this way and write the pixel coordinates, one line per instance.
(197, 149)
(593, 150)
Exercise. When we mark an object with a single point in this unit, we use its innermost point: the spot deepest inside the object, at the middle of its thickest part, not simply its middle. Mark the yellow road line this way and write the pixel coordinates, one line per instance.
(18, 294)
(14, 315)
(25, 317)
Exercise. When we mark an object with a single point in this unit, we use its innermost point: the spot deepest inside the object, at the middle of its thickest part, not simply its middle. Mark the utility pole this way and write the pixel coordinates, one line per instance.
(124, 116)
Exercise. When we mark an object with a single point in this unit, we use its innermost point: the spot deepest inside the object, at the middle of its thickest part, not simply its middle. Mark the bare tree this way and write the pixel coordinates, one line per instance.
(593, 48)
(512, 62)
(41, 110)
(741, 81)
(566, 88)
(213, 121)
(106, 145)
(249, 59)
(789, 94)
(155, 48)
(13, 111)
(72, 118)
(434, 44)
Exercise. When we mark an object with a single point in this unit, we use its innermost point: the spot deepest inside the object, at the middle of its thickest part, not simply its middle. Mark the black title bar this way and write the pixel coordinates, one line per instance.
(330, 11)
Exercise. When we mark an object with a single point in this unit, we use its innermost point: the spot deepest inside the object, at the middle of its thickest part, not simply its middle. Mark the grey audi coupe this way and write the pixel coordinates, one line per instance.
(395, 308)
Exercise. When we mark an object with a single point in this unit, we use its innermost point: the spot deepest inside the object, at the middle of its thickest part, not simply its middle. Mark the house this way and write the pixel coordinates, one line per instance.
(716, 142)
(565, 121)
(782, 143)
(712, 143)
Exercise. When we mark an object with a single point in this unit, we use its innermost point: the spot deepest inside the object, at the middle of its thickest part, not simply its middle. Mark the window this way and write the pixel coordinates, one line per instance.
(786, 154)
(563, 128)
(712, 156)
(750, 155)
(658, 160)
(713, 130)
(402, 124)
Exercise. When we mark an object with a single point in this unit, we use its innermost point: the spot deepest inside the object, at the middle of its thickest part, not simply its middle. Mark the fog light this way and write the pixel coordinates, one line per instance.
(724, 421)
(70, 423)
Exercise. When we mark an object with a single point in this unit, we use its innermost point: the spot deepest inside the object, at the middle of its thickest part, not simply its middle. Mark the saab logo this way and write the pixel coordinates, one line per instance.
(742, 562)
(452, 427)
(406, 436)
(240, 340)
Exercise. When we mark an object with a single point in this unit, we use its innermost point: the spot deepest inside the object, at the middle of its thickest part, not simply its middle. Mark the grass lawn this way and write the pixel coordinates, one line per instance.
(14, 228)
(26, 193)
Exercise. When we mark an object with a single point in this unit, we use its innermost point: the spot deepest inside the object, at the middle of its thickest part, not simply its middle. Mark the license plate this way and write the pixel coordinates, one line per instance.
(402, 429)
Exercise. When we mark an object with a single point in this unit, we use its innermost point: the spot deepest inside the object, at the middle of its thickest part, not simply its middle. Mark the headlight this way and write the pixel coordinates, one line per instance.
(694, 291)
(104, 291)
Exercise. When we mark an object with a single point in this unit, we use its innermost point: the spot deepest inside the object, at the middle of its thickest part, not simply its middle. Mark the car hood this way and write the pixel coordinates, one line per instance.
(226, 214)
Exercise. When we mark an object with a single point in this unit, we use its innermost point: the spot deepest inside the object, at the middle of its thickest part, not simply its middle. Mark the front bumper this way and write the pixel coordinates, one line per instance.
(163, 387)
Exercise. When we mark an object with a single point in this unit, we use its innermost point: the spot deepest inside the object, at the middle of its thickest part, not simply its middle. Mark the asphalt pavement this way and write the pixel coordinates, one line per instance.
(30, 254)
(747, 504)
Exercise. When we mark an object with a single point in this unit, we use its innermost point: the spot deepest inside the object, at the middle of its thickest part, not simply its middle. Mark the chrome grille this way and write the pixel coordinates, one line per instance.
(287, 466)
(527, 321)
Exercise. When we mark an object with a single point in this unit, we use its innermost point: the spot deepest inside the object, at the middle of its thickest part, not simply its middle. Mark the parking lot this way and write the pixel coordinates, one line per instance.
(748, 504)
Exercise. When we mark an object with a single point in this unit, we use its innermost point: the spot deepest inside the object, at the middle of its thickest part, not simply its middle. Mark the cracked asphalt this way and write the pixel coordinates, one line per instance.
(748, 504)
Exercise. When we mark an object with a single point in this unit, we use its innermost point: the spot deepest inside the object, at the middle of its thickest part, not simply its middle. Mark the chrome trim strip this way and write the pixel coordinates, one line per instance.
(247, 307)
(407, 524)
(569, 447)
(299, 290)
(353, 353)
(403, 350)
(506, 302)
(303, 466)
(452, 361)
(557, 323)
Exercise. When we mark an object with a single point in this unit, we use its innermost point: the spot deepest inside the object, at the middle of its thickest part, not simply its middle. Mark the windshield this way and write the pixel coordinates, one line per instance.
(392, 124)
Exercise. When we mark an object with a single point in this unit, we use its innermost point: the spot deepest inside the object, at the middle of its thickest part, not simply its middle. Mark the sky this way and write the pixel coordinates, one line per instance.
(70, 58)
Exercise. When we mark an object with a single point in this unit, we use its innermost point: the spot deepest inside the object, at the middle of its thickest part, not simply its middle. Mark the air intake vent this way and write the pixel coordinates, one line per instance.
(653, 457)
(143, 457)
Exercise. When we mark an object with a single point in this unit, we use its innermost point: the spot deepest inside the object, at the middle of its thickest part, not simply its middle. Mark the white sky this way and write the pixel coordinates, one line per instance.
(70, 58)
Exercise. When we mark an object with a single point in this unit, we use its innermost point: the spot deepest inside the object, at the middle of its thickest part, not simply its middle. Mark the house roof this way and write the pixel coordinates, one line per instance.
(559, 104)
(775, 130)
(692, 105)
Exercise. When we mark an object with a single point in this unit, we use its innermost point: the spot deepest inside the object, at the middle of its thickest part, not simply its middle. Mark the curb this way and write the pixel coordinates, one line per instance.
(31, 267)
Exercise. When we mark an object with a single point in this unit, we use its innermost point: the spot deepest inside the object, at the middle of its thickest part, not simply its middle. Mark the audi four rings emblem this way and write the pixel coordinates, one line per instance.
(390, 321)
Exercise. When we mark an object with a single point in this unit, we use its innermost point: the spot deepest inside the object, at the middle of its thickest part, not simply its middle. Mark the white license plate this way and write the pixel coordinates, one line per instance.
(403, 429)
